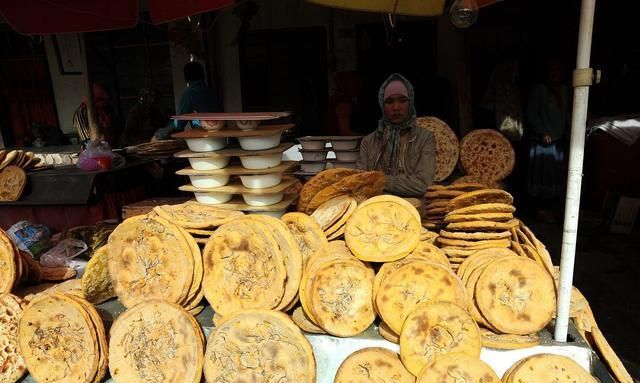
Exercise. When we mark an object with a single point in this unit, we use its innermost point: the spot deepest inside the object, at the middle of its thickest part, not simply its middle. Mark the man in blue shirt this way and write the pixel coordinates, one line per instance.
(196, 98)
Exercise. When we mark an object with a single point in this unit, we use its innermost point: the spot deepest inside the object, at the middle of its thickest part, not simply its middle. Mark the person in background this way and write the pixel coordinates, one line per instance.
(196, 98)
(144, 118)
(342, 116)
(548, 115)
(105, 114)
(404, 152)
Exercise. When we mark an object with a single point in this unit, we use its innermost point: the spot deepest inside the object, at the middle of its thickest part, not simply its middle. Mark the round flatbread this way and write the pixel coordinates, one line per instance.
(12, 182)
(478, 197)
(388, 334)
(8, 265)
(429, 252)
(550, 368)
(495, 217)
(457, 367)
(341, 298)
(372, 365)
(58, 340)
(330, 212)
(516, 295)
(361, 186)
(475, 236)
(12, 365)
(486, 153)
(482, 226)
(255, 344)
(474, 244)
(193, 215)
(433, 329)
(342, 221)
(306, 232)
(150, 258)
(243, 268)
(447, 146)
(485, 208)
(156, 341)
(411, 284)
(508, 341)
(382, 231)
(302, 320)
(8, 159)
(96, 283)
(320, 181)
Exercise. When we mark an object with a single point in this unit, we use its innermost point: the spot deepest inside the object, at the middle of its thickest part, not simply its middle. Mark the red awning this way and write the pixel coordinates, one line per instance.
(41, 17)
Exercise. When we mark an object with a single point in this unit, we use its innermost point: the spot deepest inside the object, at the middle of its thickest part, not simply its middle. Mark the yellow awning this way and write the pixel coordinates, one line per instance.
(404, 7)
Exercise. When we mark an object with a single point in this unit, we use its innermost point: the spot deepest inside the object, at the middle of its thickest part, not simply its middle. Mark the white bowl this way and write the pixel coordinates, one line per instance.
(261, 181)
(209, 163)
(259, 143)
(314, 155)
(211, 125)
(344, 145)
(247, 124)
(262, 199)
(347, 155)
(213, 198)
(209, 181)
(206, 144)
(261, 162)
(312, 166)
(275, 214)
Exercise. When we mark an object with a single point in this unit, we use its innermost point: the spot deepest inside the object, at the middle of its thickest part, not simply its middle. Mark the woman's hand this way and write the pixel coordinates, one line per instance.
(546, 139)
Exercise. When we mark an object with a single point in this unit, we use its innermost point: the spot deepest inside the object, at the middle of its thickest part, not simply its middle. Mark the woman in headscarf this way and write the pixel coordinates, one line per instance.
(404, 152)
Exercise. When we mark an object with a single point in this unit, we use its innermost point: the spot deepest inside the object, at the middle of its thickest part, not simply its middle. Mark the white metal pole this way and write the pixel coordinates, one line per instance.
(574, 180)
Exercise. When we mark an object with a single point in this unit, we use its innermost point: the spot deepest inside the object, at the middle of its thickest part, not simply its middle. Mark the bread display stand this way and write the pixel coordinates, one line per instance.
(331, 351)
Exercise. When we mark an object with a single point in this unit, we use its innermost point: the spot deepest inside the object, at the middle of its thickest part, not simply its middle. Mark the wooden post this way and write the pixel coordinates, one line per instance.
(94, 127)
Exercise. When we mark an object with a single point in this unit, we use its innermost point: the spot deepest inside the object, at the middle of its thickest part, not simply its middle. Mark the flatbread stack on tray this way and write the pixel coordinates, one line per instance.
(333, 183)
(336, 291)
(457, 367)
(257, 346)
(199, 220)
(477, 220)
(399, 287)
(507, 293)
(373, 364)
(13, 180)
(11, 361)
(384, 228)
(437, 200)
(160, 148)
(18, 158)
(307, 233)
(62, 339)
(251, 263)
(152, 258)
(488, 154)
(547, 368)
(333, 215)
(433, 329)
(156, 341)
(479, 180)
(447, 146)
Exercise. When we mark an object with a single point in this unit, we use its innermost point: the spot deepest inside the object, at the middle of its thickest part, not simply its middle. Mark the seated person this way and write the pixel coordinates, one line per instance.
(404, 152)
(144, 118)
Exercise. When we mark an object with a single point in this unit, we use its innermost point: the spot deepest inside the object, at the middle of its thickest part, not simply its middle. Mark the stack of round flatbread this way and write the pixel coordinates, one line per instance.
(17, 268)
(457, 367)
(252, 263)
(199, 220)
(433, 329)
(62, 339)
(156, 341)
(399, 287)
(13, 180)
(447, 146)
(256, 346)
(477, 220)
(547, 368)
(332, 216)
(437, 200)
(18, 158)
(336, 292)
(11, 361)
(333, 183)
(507, 293)
(384, 228)
(488, 154)
(526, 244)
(307, 233)
(373, 364)
(152, 258)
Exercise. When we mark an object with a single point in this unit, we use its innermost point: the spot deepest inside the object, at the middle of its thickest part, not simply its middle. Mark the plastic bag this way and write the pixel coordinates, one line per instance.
(61, 254)
(99, 156)
(30, 237)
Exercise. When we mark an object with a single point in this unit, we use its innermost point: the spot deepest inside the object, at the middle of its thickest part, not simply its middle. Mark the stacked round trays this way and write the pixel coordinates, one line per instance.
(321, 152)
(256, 183)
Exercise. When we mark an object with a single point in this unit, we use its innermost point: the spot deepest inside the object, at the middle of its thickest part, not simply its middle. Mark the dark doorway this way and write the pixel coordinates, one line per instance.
(286, 69)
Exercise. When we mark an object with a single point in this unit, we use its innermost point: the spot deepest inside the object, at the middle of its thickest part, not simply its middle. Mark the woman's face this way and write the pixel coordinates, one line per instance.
(396, 108)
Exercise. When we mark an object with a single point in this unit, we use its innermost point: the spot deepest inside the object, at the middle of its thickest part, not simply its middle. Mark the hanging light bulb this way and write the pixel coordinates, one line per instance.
(464, 13)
